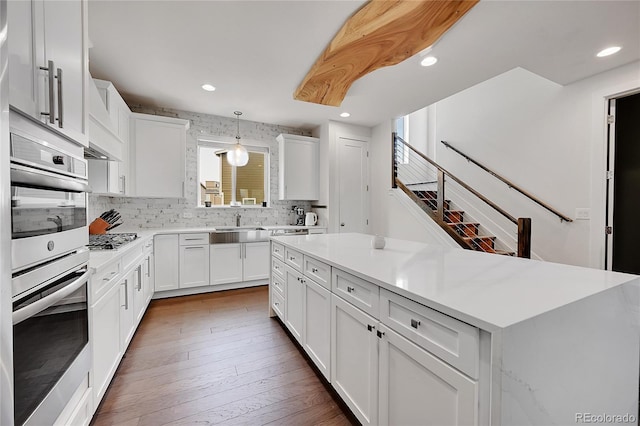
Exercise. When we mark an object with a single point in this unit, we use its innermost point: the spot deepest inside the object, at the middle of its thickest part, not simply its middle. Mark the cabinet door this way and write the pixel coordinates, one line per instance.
(25, 57)
(256, 261)
(139, 299)
(127, 324)
(65, 43)
(225, 263)
(299, 168)
(149, 278)
(166, 254)
(354, 359)
(294, 306)
(194, 266)
(317, 325)
(418, 388)
(157, 160)
(105, 340)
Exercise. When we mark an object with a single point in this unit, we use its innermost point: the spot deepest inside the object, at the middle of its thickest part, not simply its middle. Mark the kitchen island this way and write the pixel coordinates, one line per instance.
(422, 334)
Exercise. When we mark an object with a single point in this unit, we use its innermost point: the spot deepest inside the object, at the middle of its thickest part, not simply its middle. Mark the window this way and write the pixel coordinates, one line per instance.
(216, 177)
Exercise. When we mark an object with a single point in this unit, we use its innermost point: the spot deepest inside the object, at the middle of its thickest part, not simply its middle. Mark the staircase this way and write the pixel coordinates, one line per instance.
(423, 180)
(454, 219)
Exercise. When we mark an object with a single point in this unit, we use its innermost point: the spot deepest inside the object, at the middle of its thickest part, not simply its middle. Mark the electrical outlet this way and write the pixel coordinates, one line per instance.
(583, 213)
(187, 215)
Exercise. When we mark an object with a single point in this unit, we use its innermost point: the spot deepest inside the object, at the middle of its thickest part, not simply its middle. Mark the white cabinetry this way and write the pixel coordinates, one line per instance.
(166, 260)
(317, 321)
(255, 263)
(418, 388)
(299, 167)
(238, 262)
(294, 308)
(105, 337)
(194, 265)
(127, 318)
(354, 359)
(157, 156)
(48, 63)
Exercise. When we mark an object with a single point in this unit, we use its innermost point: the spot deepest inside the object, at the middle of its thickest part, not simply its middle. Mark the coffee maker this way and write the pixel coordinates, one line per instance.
(299, 211)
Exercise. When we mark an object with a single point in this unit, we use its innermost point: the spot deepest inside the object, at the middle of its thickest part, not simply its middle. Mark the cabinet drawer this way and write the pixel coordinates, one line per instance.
(356, 291)
(102, 281)
(194, 239)
(277, 283)
(320, 272)
(131, 256)
(277, 267)
(451, 340)
(277, 303)
(277, 250)
(148, 245)
(293, 258)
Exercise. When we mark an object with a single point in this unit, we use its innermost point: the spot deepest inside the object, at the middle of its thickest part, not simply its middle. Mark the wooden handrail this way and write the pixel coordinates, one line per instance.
(458, 181)
(509, 183)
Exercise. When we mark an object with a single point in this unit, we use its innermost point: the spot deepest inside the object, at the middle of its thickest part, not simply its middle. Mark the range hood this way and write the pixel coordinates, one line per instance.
(104, 142)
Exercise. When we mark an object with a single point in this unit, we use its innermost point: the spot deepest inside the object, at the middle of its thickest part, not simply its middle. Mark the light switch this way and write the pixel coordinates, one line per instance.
(583, 213)
(187, 215)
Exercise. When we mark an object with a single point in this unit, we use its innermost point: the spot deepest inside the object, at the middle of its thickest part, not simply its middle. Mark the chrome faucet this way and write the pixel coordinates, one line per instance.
(57, 220)
(238, 219)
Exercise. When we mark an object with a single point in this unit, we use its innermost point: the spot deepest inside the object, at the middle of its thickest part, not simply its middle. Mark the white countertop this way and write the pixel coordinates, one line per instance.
(486, 290)
(101, 258)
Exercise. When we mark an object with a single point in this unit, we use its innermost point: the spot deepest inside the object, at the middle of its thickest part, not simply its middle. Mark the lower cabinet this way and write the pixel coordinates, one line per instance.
(294, 307)
(226, 263)
(354, 359)
(255, 262)
(317, 325)
(194, 266)
(415, 387)
(127, 316)
(167, 262)
(105, 337)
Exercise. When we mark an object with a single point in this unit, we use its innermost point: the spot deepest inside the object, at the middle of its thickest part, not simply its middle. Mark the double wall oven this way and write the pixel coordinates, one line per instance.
(51, 355)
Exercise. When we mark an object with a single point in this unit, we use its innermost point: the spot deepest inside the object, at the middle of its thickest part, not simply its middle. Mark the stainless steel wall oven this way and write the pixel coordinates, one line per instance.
(49, 234)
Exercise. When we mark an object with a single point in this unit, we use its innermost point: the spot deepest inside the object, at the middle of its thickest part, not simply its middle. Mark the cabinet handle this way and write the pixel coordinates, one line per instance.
(148, 267)
(140, 278)
(314, 270)
(124, 186)
(414, 323)
(277, 304)
(110, 275)
(370, 327)
(51, 114)
(276, 251)
(292, 258)
(126, 294)
(380, 333)
(350, 289)
(60, 104)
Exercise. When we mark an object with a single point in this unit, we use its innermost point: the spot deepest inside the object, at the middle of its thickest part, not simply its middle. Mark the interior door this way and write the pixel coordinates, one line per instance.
(353, 187)
(624, 203)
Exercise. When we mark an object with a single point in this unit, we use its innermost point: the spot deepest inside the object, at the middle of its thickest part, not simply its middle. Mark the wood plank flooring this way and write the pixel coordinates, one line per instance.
(216, 358)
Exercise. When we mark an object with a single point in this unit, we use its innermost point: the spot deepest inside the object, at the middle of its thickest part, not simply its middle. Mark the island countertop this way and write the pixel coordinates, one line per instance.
(486, 290)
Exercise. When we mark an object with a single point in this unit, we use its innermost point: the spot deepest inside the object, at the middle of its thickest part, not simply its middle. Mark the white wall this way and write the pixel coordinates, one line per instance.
(547, 138)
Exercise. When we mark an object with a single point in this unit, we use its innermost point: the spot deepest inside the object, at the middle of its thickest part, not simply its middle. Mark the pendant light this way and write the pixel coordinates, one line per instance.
(238, 155)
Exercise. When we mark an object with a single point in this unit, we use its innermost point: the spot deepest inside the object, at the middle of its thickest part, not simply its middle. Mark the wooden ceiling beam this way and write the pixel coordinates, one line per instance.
(380, 34)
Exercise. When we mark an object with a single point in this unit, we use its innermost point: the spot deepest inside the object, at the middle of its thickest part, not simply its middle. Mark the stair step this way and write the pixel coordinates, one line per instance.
(433, 203)
(482, 243)
(426, 194)
(453, 216)
(465, 229)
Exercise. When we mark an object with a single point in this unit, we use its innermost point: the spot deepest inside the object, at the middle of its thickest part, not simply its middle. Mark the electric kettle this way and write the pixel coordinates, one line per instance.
(310, 219)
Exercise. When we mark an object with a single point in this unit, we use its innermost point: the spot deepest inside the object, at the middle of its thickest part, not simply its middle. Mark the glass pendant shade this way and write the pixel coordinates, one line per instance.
(238, 155)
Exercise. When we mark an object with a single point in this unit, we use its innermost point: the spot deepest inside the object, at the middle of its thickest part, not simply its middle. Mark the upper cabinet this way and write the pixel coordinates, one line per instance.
(48, 63)
(299, 168)
(157, 156)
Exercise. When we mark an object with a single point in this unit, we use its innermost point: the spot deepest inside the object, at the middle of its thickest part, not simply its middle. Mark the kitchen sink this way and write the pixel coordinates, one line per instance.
(235, 234)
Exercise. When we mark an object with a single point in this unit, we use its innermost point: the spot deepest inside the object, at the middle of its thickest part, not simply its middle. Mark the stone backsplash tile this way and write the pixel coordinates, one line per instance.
(170, 213)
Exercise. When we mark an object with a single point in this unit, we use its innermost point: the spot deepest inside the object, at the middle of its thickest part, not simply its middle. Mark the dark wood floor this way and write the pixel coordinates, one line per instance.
(216, 359)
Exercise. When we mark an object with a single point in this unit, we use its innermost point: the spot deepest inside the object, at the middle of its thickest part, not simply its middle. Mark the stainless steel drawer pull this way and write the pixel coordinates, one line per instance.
(277, 304)
(414, 323)
(314, 270)
(276, 251)
(292, 258)
(350, 289)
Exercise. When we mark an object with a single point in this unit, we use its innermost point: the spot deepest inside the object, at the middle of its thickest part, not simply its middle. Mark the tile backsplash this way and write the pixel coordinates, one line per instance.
(182, 213)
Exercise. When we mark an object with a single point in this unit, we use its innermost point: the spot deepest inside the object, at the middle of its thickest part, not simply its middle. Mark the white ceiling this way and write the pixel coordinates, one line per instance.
(159, 53)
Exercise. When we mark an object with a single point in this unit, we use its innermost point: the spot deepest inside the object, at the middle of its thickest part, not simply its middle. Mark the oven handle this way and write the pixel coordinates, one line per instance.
(44, 181)
(50, 300)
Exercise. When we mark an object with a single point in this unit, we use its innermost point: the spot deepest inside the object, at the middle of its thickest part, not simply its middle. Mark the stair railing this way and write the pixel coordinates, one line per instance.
(413, 168)
(510, 184)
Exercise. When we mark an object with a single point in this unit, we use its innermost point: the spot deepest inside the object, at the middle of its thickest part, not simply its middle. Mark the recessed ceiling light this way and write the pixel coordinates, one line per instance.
(345, 115)
(428, 61)
(608, 51)
(208, 87)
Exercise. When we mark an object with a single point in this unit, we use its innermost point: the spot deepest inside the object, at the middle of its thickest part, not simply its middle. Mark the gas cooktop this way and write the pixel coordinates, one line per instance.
(110, 241)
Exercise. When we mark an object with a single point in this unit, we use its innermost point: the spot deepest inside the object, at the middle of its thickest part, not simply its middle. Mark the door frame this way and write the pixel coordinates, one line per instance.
(599, 155)
(334, 220)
